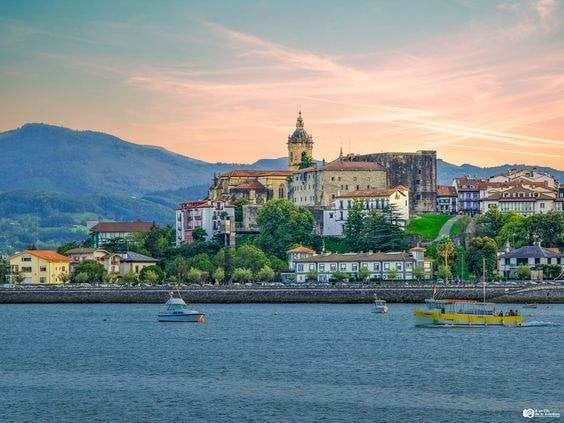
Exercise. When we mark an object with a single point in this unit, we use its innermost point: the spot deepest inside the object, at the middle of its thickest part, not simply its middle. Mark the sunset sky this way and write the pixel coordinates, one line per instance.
(480, 81)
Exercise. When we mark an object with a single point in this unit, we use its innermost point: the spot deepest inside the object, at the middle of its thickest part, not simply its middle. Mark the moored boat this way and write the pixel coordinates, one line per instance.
(531, 305)
(464, 313)
(380, 306)
(176, 310)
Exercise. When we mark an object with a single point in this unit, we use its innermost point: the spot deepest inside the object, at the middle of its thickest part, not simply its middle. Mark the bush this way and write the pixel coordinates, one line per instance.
(266, 274)
(194, 275)
(156, 274)
(312, 276)
(242, 275)
(340, 276)
(364, 274)
(523, 272)
(130, 278)
(219, 275)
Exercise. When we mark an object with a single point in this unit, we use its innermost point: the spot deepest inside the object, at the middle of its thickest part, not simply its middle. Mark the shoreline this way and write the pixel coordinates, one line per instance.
(549, 294)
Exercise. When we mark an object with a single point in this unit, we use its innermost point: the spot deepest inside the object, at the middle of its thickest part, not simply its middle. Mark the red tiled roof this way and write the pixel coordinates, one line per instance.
(250, 185)
(48, 255)
(137, 226)
(301, 249)
(375, 192)
(446, 191)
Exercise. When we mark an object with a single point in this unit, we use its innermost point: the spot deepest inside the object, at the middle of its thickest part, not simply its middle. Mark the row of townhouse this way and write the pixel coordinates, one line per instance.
(305, 263)
(118, 264)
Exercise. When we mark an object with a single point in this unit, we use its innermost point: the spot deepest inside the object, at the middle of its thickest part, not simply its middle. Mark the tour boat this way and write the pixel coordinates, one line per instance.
(176, 310)
(464, 313)
(380, 306)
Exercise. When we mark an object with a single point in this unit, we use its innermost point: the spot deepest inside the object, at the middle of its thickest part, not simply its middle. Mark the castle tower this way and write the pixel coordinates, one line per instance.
(300, 144)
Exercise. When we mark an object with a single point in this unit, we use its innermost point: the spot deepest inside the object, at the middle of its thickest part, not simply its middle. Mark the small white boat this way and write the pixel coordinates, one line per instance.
(531, 305)
(380, 306)
(176, 310)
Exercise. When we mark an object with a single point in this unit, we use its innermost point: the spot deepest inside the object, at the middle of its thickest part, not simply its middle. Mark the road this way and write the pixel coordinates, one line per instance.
(445, 230)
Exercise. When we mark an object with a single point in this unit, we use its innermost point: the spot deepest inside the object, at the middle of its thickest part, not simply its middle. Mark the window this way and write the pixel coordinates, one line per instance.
(355, 267)
(399, 266)
(312, 266)
(333, 267)
(386, 266)
(44, 269)
(42, 279)
(343, 266)
(300, 267)
(321, 267)
(26, 258)
(377, 267)
(26, 269)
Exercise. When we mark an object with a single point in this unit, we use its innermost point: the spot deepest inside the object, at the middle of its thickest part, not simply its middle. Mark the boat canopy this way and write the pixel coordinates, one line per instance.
(460, 306)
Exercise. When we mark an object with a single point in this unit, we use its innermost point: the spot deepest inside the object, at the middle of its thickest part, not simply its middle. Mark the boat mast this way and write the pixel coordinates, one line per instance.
(484, 278)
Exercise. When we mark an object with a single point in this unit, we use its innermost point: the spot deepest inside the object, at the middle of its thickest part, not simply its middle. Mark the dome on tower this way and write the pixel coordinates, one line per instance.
(300, 136)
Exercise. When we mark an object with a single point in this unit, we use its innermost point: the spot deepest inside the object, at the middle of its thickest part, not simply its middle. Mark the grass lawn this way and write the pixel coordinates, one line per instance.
(427, 225)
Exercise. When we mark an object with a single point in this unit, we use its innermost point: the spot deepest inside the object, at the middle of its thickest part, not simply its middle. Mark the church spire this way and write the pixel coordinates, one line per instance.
(300, 121)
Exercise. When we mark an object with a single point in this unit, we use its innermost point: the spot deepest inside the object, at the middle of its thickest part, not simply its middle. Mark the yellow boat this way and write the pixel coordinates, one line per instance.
(464, 313)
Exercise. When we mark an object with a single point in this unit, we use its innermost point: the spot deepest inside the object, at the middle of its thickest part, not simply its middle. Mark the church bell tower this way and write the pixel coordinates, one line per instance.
(300, 144)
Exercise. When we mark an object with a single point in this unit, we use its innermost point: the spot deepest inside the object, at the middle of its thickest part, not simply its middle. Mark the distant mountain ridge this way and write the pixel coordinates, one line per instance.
(64, 177)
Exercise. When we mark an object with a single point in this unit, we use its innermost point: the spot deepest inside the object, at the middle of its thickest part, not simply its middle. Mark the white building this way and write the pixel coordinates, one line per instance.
(519, 198)
(386, 266)
(527, 175)
(532, 256)
(214, 217)
(335, 217)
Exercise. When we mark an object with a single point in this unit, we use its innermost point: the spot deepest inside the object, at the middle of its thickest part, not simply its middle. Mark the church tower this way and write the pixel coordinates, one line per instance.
(300, 144)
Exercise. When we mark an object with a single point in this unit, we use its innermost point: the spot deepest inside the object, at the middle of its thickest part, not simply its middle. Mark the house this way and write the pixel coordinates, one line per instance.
(518, 198)
(468, 191)
(447, 198)
(559, 201)
(102, 232)
(214, 217)
(79, 254)
(396, 199)
(299, 252)
(531, 256)
(527, 176)
(391, 265)
(40, 267)
(320, 185)
(134, 262)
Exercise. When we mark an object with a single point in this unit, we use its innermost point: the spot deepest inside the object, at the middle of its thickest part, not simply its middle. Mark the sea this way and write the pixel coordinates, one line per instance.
(273, 363)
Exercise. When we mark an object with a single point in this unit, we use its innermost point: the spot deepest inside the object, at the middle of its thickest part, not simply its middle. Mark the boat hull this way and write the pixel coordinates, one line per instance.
(436, 318)
(188, 317)
(381, 309)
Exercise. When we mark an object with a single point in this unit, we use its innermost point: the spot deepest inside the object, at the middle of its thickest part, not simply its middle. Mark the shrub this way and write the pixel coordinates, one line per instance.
(340, 276)
(194, 275)
(242, 275)
(130, 278)
(157, 275)
(523, 272)
(266, 274)
(219, 275)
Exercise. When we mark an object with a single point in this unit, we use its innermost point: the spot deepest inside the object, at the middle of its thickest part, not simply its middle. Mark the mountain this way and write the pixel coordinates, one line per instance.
(54, 179)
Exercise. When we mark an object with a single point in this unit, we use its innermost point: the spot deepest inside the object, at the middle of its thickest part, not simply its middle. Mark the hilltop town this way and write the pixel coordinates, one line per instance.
(369, 217)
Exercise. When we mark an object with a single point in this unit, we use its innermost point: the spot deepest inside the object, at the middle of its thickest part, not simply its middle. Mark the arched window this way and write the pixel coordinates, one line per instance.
(281, 193)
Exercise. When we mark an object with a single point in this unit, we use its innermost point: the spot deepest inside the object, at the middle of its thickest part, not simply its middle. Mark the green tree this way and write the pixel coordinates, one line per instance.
(117, 245)
(4, 271)
(278, 265)
(444, 272)
(364, 274)
(157, 274)
(482, 248)
(340, 276)
(242, 275)
(513, 232)
(81, 277)
(379, 234)
(250, 257)
(283, 224)
(547, 228)
(353, 228)
(199, 234)
(551, 271)
(95, 271)
(225, 259)
(219, 275)
(130, 278)
(419, 273)
(64, 278)
(445, 248)
(265, 274)
(194, 275)
(306, 161)
(523, 272)
(490, 222)
(392, 274)
(178, 269)
(155, 242)
(202, 262)
(311, 276)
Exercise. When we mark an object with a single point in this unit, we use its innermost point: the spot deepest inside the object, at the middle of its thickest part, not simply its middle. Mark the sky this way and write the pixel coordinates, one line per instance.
(481, 82)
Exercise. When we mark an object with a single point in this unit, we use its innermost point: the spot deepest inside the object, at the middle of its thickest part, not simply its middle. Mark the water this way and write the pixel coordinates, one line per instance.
(269, 362)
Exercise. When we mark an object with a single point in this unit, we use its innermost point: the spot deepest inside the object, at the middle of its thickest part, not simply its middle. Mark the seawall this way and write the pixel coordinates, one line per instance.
(69, 294)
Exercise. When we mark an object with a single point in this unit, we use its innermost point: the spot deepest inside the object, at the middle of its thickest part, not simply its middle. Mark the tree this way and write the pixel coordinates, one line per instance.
(94, 270)
(419, 273)
(283, 224)
(490, 222)
(242, 275)
(445, 248)
(178, 269)
(306, 161)
(117, 245)
(352, 230)
(393, 274)
(278, 265)
(202, 262)
(379, 234)
(194, 275)
(4, 271)
(81, 277)
(481, 248)
(157, 274)
(340, 276)
(444, 272)
(265, 274)
(250, 257)
(63, 277)
(311, 276)
(155, 242)
(547, 228)
(551, 271)
(364, 274)
(523, 272)
(514, 232)
(199, 234)
(219, 275)
(130, 278)
(224, 259)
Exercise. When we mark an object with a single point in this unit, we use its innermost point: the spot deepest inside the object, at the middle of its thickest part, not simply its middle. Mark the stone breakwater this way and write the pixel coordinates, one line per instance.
(69, 294)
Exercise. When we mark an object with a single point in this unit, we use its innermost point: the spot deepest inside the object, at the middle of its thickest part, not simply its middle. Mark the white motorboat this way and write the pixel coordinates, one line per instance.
(176, 310)
(380, 306)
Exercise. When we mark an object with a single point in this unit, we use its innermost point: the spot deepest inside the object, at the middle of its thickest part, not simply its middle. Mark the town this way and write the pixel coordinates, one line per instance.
(369, 218)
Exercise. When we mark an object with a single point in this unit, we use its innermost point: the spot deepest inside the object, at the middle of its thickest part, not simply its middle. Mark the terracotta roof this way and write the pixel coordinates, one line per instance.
(301, 249)
(354, 257)
(48, 255)
(137, 226)
(248, 186)
(417, 249)
(255, 173)
(375, 192)
(341, 164)
(446, 191)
